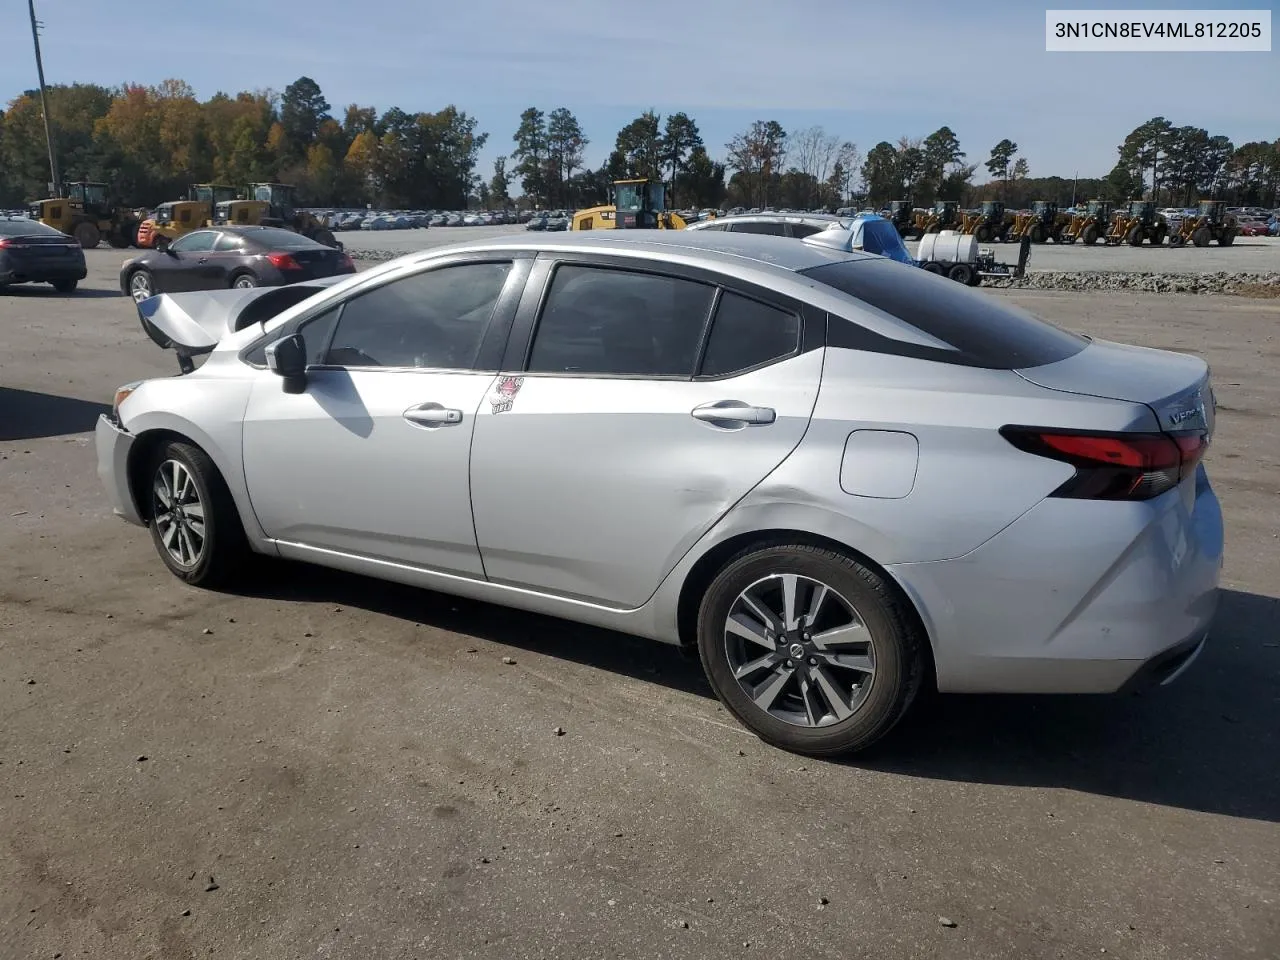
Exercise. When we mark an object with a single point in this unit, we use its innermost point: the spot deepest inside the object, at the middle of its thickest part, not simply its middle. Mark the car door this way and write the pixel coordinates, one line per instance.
(371, 459)
(178, 269)
(228, 253)
(637, 420)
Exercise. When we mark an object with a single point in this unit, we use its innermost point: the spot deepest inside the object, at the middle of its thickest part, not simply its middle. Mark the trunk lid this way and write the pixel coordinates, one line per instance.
(1174, 386)
(318, 263)
(192, 324)
(41, 249)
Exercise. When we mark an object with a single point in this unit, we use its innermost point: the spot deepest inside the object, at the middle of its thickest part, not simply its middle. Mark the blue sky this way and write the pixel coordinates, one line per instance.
(866, 71)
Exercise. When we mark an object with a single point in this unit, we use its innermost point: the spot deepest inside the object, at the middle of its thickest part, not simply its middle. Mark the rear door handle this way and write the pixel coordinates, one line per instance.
(433, 415)
(734, 414)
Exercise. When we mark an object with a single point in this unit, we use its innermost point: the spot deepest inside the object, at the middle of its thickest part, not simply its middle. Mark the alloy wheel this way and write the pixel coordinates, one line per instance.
(178, 513)
(799, 650)
(140, 286)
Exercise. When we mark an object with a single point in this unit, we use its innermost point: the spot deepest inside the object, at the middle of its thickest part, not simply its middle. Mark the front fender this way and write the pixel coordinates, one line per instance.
(217, 429)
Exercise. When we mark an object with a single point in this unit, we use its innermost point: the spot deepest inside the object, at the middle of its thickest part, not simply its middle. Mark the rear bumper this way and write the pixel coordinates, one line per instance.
(1076, 596)
(113, 444)
(18, 272)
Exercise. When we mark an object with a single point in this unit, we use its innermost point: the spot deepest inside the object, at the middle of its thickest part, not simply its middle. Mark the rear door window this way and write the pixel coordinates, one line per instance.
(611, 322)
(746, 334)
(979, 329)
(760, 226)
(198, 242)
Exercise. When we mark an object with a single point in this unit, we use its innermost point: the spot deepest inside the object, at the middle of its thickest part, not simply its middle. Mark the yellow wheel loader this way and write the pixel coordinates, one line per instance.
(992, 223)
(1140, 222)
(637, 205)
(178, 217)
(86, 211)
(271, 205)
(1042, 223)
(1090, 224)
(945, 215)
(1211, 223)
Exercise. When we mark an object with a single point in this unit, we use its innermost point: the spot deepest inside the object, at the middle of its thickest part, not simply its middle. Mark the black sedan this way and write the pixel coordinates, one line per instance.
(31, 252)
(219, 257)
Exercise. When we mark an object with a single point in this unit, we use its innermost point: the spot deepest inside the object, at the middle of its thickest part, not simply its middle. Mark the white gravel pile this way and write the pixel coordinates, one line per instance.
(1228, 283)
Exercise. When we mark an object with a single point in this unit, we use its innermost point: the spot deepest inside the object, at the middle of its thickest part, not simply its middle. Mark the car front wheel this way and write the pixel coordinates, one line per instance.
(810, 649)
(141, 286)
(194, 522)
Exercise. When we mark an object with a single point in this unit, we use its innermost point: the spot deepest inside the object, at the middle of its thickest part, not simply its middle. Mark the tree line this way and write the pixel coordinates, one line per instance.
(149, 142)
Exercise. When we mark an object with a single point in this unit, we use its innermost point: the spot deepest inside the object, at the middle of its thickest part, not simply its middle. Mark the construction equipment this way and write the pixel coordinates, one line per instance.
(271, 205)
(639, 204)
(86, 211)
(1140, 222)
(1088, 226)
(903, 216)
(1211, 223)
(958, 257)
(945, 215)
(177, 217)
(991, 223)
(1042, 223)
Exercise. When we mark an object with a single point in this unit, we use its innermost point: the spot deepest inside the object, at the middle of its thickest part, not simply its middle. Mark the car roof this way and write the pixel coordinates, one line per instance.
(710, 246)
(814, 219)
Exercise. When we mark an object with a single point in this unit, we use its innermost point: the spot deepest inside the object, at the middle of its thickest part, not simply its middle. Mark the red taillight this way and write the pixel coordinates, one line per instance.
(283, 261)
(9, 242)
(1115, 466)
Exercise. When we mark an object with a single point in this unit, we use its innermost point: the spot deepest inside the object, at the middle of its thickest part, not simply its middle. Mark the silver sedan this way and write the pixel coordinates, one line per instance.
(836, 477)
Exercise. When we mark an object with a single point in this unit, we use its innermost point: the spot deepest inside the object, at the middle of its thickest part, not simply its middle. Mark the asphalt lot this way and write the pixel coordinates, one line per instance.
(1246, 255)
(362, 776)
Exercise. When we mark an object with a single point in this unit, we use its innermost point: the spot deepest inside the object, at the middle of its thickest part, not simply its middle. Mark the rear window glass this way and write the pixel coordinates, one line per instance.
(984, 331)
(278, 239)
(27, 228)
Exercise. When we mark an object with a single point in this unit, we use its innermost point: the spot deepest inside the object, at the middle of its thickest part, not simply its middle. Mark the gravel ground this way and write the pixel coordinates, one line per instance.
(320, 765)
(1248, 255)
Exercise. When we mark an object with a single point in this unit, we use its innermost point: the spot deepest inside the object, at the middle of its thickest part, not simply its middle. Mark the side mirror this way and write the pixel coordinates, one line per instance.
(287, 358)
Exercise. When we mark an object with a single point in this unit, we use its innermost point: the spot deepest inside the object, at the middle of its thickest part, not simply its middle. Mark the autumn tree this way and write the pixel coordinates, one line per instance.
(758, 155)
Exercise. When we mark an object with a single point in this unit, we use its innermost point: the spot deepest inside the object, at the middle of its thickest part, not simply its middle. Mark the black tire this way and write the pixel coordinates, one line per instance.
(245, 281)
(223, 547)
(961, 273)
(65, 286)
(934, 267)
(895, 648)
(983, 234)
(1089, 235)
(1038, 233)
(1176, 239)
(1157, 238)
(1134, 237)
(1201, 236)
(1226, 238)
(117, 241)
(87, 234)
(325, 237)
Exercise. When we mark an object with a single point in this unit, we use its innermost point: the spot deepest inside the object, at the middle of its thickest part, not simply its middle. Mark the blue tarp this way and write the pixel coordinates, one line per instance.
(877, 235)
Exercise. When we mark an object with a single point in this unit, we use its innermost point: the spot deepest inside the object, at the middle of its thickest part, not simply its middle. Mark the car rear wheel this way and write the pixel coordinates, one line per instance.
(810, 649)
(65, 286)
(195, 526)
(244, 281)
(141, 285)
(934, 267)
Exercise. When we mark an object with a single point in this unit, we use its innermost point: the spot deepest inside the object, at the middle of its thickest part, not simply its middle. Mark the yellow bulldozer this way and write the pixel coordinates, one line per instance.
(1211, 223)
(86, 211)
(1042, 223)
(1140, 222)
(272, 205)
(178, 217)
(639, 204)
(903, 216)
(1088, 225)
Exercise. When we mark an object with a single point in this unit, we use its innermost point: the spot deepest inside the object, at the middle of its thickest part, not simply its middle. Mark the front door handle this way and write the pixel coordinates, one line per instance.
(432, 415)
(734, 414)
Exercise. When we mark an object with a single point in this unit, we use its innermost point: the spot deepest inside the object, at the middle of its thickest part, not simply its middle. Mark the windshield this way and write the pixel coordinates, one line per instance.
(628, 197)
(1096, 207)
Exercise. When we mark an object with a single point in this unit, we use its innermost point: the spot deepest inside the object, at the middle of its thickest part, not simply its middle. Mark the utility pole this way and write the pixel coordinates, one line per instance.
(44, 102)
(1074, 180)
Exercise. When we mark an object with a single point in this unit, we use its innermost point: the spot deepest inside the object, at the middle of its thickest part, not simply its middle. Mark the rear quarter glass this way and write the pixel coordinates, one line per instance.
(981, 330)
